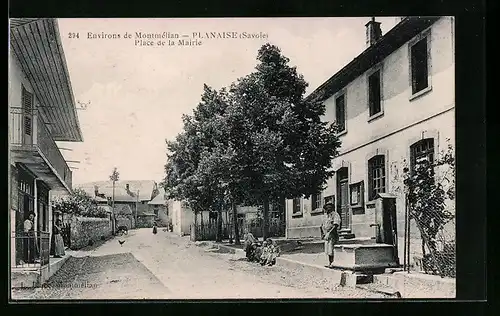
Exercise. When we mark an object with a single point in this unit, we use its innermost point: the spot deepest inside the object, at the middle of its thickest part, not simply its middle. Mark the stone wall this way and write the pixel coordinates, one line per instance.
(87, 230)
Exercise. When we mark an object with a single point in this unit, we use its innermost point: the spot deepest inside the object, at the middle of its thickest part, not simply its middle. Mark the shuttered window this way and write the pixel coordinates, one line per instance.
(27, 104)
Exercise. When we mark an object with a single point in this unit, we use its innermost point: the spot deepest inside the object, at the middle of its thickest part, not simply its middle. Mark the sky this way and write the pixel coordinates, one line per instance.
(136, 95)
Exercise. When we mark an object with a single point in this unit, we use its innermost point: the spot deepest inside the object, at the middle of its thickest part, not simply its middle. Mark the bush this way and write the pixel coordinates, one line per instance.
(80, 203)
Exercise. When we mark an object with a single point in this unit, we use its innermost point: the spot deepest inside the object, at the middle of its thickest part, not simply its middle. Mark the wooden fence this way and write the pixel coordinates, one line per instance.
(208, 231)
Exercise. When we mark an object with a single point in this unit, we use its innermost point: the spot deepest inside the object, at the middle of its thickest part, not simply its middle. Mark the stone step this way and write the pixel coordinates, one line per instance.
(373, 258)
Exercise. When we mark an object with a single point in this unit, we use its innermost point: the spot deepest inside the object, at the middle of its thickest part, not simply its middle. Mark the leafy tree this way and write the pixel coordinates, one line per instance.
(184, 181)
(286, 149)
(79, 203)
(258, 141)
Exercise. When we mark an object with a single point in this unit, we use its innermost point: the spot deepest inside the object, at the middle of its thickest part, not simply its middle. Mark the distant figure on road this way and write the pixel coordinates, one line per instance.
(329, 231)
(155, 230)
(58, 240)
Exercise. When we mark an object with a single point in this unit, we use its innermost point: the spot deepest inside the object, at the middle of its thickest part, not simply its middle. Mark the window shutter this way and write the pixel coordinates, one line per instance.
(27, 104)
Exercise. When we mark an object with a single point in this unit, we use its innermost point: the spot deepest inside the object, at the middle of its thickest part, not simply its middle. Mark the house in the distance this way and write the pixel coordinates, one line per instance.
(158, 206)
(131, 199)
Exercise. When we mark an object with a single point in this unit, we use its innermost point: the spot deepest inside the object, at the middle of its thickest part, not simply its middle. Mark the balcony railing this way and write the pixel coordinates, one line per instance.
(31, 249)
(28, 131)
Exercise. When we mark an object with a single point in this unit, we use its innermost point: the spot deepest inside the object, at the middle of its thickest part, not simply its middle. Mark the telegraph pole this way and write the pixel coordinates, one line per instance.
(136, 206)
(113, 208)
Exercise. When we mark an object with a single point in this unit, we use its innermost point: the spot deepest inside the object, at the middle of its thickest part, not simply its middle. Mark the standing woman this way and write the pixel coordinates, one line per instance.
(155, 230)
(58, 240)
(329, 231)
(30, 242)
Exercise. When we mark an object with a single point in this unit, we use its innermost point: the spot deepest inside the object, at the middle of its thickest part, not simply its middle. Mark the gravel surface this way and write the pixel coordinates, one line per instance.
(179, 269)
(118, 276)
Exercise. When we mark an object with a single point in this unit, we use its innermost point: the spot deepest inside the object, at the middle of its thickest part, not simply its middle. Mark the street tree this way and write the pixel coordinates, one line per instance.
(286, 149)
(79, 203)
(184, 180)
(258, 141)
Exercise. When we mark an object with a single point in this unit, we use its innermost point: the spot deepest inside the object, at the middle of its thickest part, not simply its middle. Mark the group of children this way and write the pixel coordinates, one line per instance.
(265, 254)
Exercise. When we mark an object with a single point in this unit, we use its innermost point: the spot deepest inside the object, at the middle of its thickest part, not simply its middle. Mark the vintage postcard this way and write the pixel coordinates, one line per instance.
(232, 158)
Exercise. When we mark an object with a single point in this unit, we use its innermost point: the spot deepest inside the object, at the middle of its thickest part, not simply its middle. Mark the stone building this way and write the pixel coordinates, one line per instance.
(395, 102)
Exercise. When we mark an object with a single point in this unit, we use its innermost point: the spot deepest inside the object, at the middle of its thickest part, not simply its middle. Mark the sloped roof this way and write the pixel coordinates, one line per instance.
(386, 45)
(159, 199)
(37, 46)
(100, 199)
(108, 208)
(145, 188)
(123, 209)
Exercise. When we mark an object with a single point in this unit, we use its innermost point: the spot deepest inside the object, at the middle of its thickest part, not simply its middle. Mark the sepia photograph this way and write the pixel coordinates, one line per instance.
(232, 158)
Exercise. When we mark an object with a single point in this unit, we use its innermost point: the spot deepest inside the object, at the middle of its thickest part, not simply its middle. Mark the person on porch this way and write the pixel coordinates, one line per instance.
(329, 231)
(58, 240)
(30, 247)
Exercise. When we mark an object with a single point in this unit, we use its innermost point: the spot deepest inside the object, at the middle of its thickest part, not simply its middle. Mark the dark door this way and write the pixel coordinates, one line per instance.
(344, 205)
(343, 198)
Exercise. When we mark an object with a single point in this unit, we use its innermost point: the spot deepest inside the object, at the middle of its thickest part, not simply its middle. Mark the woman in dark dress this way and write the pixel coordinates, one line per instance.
(58, 240)
(155, 230)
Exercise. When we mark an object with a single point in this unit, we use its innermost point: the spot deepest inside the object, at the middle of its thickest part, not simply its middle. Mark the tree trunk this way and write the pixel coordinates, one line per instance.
(219, 222)
(195, 226)
(265, 215)
(235, 224)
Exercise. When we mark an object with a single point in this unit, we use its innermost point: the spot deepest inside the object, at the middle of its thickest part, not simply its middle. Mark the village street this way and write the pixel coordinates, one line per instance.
(165, 266)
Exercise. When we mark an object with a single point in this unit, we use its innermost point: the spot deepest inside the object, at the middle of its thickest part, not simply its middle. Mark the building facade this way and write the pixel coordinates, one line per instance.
(41, 111)
(131, 198)
(158, 207)
(394, 103)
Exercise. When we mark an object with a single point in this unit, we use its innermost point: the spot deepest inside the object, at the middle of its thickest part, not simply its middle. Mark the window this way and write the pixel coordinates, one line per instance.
(340, 112)
(423, 150)
(419, 66)
(374, 97)
(27, 104)
(296, 210)
(316, 201)
(376, 176)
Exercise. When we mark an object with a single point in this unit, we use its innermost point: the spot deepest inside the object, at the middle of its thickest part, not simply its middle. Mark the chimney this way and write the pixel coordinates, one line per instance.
(373, 32)
(96, 190)
(127, 186)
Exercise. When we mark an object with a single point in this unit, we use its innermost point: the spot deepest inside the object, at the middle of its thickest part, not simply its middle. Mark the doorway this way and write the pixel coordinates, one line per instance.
(26, 205)
(343, 198)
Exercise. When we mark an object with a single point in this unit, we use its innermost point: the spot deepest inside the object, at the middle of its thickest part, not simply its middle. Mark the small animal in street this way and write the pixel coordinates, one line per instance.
(121, 242)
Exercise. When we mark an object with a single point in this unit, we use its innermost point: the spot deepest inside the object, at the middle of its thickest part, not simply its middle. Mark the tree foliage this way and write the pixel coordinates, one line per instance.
(79, 203)
(257, 141)
(430, 191)
(115, 175)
